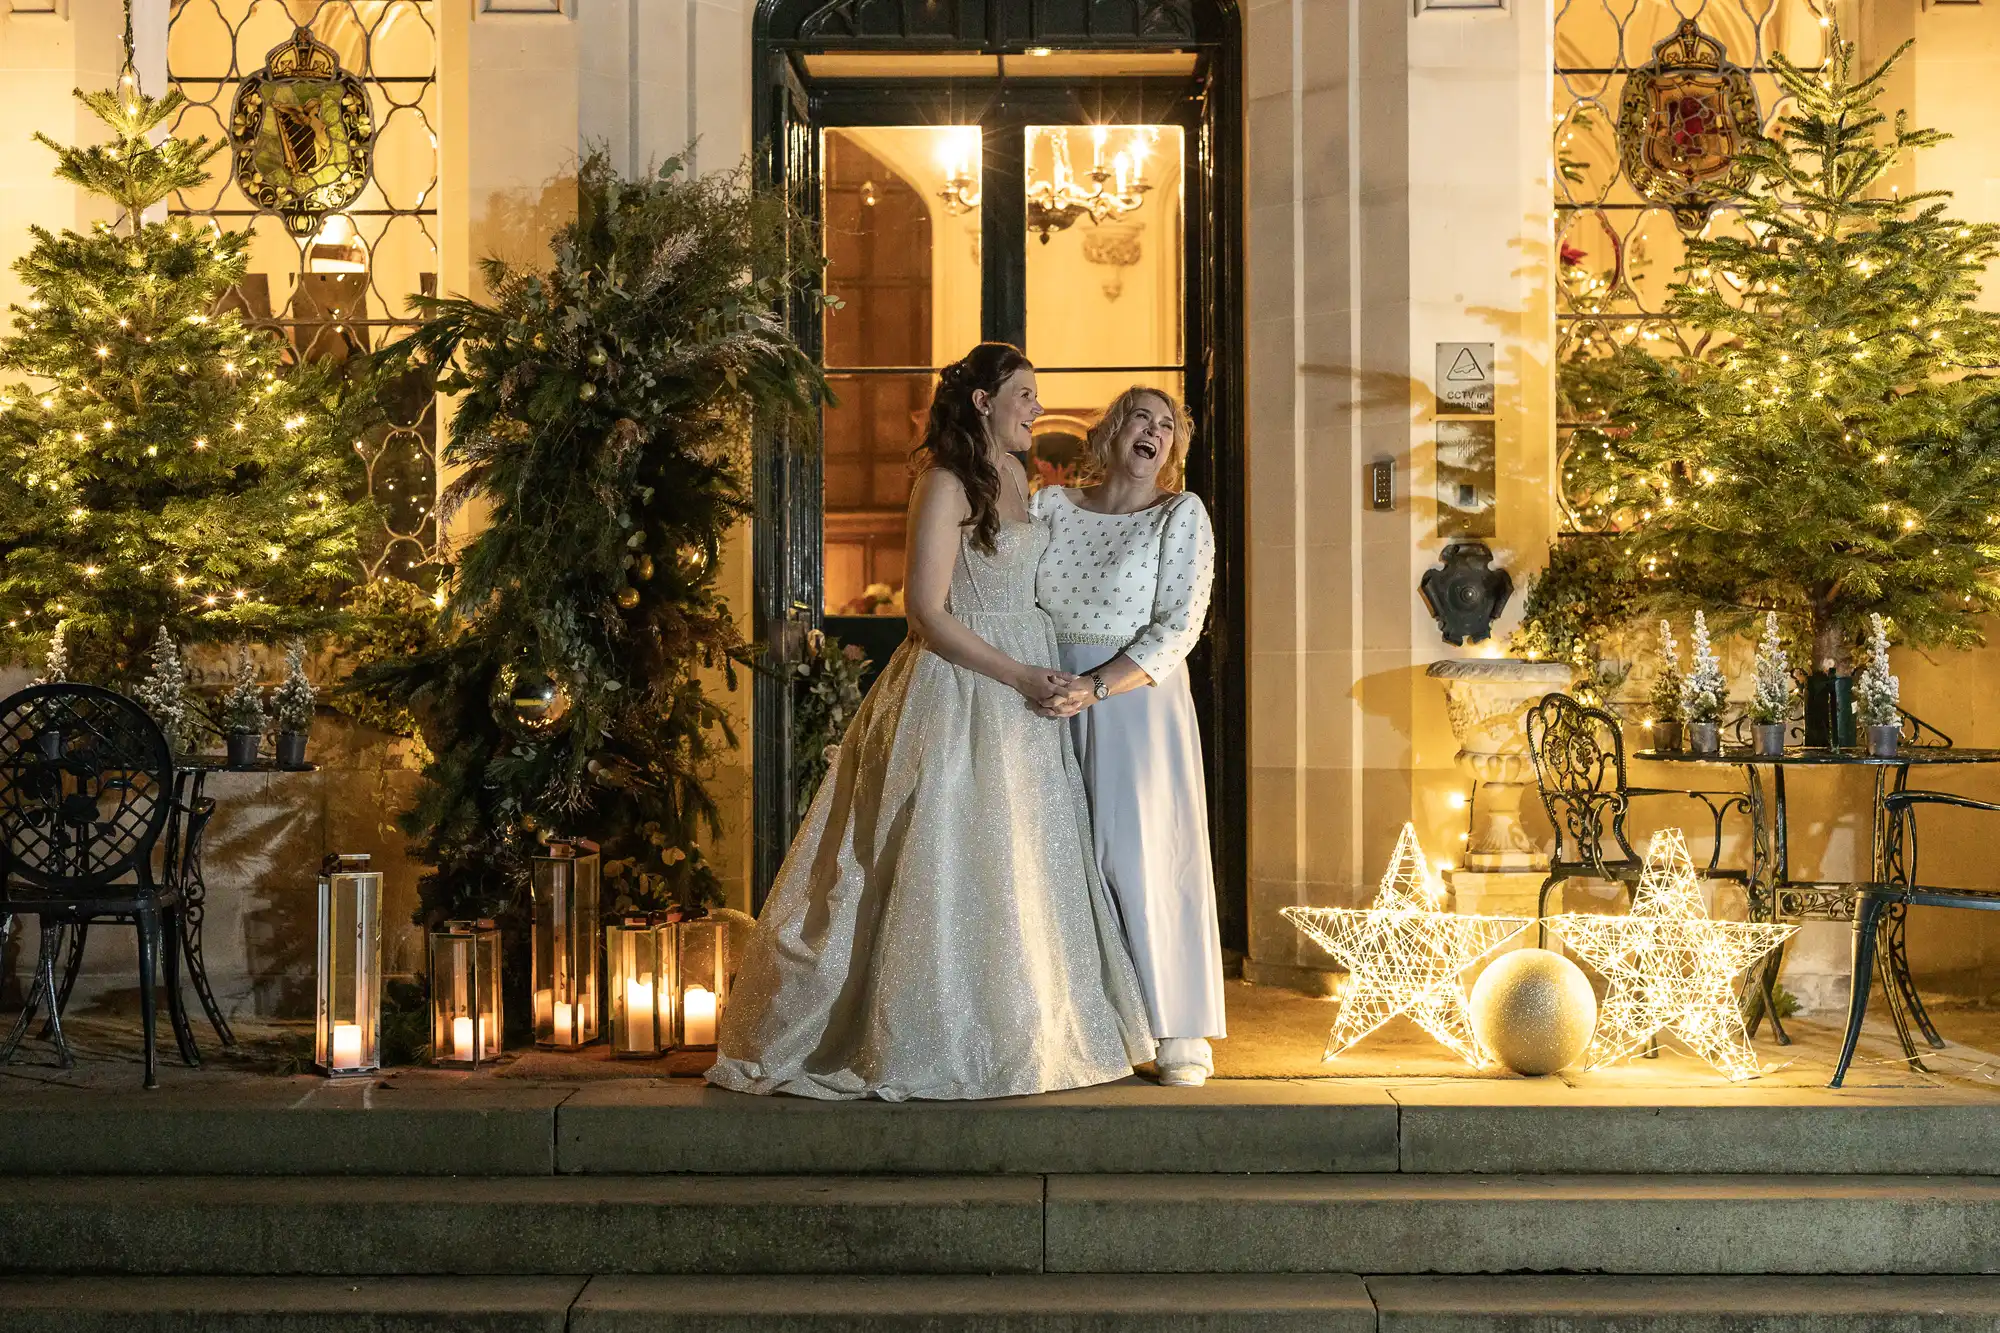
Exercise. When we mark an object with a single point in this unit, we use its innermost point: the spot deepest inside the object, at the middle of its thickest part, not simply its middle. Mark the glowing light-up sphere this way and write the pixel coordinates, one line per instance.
(530, 701)
(1534, 1011)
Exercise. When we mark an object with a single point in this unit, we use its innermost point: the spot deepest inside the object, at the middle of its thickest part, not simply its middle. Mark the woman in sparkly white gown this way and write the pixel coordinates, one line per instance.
(1126, 577)
(939, 928)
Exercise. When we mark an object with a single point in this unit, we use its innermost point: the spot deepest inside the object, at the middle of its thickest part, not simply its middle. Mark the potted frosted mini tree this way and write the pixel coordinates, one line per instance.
(243, 717)
(292, 704)
(1877, 705)
(1703, 693)
(1771, 692)
(1667, 694)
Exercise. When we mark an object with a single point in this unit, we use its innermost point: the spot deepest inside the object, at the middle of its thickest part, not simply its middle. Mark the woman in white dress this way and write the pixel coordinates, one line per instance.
(939, 929)
(1126, 578)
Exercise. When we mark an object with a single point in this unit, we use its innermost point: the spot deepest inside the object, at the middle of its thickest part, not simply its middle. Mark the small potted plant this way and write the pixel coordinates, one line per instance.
(55, 670)
(163, 694)
(292, 704)
(1771, 692)
(243, 714)
(1667, 694)
(1704, 692)
(1876, 694)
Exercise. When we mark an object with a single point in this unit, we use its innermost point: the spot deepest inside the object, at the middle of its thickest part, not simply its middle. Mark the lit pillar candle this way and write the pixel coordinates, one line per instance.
(346, 1045)
(638, 1015)
(699, 1015)
(565, 1022)
(462, 1043)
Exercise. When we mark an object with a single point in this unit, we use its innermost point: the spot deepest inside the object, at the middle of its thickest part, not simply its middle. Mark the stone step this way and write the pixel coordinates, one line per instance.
(1252, 1303)
(1575, 1304)
(1503, 1224)
(501, 1225)
(309, 1127)
(1000, 1224)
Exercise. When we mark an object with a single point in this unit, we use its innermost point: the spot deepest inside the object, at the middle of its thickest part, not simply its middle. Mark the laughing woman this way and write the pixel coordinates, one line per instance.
(1126, 578)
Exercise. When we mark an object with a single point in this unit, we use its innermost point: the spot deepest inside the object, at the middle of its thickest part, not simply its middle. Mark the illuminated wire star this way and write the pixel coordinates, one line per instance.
(1670, 967)
(1403, 956)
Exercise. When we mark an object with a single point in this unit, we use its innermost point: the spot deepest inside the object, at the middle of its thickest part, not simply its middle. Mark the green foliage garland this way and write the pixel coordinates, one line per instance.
(603, 418)
(166, 465)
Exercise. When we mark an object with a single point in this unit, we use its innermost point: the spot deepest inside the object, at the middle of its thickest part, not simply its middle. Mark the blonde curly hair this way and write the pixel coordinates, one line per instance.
(1105, 433)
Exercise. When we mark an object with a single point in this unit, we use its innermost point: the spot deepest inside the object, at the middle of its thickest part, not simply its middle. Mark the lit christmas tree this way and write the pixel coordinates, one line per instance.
(166, 465)
(1827, 455)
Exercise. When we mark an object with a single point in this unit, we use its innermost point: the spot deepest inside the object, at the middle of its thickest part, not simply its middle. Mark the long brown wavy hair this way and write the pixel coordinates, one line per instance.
(955, 436)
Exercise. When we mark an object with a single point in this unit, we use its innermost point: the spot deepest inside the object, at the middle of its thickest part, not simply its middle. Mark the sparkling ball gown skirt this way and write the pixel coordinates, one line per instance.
(939, 928)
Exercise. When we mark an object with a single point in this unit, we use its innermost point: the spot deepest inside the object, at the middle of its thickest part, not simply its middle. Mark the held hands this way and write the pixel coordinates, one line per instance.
(1055, 694)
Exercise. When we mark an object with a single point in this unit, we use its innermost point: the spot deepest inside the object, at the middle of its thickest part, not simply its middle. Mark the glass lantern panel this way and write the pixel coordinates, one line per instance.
(640, 963)
(465, 995)
(566, 976)
(703, 956)
(348, 1030)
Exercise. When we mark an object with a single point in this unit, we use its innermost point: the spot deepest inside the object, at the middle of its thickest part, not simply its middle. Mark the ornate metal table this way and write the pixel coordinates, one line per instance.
(1776, 896)
(182, 868)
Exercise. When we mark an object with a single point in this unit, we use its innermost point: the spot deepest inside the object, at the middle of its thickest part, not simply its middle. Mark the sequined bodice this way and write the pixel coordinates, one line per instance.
(1002, 583)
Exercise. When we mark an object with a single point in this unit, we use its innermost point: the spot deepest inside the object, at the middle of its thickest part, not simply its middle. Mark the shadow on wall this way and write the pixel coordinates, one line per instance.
(261, 863)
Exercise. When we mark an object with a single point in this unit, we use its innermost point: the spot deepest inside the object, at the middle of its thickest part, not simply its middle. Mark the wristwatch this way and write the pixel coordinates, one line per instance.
(1098, 687)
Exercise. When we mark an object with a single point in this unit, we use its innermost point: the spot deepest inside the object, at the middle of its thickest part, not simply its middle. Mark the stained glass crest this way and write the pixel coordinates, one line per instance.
(1683, 121)
(303, 133)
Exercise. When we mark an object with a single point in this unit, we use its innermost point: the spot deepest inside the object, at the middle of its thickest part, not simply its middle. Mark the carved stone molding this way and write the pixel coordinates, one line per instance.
(58, 9)
(1113, 245)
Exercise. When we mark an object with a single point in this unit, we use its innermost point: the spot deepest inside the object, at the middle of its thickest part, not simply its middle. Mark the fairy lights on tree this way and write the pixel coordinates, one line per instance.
(1826, 454)
(166, 465)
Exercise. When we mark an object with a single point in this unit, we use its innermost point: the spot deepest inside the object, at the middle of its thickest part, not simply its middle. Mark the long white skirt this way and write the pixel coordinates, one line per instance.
(1141, 757)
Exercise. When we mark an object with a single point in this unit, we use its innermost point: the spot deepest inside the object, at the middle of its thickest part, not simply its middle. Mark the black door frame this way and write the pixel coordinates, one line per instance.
(789, 111)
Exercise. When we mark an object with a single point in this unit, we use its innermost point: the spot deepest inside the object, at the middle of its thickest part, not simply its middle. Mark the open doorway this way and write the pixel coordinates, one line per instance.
(1067, 182)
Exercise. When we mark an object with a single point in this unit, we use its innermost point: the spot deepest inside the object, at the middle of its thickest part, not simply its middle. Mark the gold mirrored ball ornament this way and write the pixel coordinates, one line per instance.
(529, 700)
(1534, 1010)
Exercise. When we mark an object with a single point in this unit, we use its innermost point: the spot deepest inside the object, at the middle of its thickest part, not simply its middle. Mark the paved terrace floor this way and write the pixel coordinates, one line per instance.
(1276, 1036)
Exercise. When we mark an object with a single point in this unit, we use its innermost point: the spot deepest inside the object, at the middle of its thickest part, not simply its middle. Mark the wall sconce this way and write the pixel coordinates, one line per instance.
(465, 994)
(347, 1031)
(563, 883)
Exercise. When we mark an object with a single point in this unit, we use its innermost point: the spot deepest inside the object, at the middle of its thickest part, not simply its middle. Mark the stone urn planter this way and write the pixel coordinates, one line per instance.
(1487, 699)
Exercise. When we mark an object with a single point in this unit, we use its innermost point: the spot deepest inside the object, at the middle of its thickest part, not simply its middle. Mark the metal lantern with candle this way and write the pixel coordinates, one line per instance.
(465, 993)
(639, 957)
(564, 881)
(347, 1037)
(701, 952)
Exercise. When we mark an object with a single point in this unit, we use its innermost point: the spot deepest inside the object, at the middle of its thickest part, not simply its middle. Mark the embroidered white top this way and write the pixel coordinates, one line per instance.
(1139, 581)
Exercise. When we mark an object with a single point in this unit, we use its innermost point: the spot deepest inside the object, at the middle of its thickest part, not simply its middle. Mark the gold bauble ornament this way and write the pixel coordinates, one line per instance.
(1534, 1010)
(642, 568)
(586, 391)
(693, 562)
(529, 700)
(628, 597)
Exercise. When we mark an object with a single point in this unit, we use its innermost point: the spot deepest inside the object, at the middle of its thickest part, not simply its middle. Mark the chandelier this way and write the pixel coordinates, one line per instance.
(1108, 190)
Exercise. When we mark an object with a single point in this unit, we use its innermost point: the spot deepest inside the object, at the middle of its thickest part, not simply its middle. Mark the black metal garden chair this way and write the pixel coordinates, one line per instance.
(1880, 907)
(86, 788)
(1579, 755)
